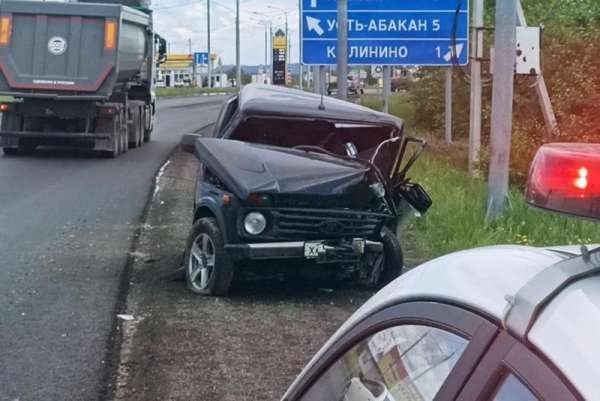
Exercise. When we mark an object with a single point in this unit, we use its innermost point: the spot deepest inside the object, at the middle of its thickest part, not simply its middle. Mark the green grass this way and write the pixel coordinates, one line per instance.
(457, 219)
(188, 91)
(399, 106)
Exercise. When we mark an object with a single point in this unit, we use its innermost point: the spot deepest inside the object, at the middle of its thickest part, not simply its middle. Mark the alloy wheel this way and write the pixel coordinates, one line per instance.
(201, 263)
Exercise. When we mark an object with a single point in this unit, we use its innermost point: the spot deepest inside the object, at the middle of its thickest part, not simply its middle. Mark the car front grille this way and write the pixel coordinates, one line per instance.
(306, 224)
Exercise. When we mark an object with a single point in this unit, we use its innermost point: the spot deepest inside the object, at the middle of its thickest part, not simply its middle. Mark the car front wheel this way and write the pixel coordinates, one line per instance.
(382, 268)
(208, 269)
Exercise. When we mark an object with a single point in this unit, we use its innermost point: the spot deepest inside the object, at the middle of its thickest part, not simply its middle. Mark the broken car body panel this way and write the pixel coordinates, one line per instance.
(246, 168)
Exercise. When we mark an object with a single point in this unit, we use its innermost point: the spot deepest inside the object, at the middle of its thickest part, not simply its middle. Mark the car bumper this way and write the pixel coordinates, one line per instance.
(317, 251)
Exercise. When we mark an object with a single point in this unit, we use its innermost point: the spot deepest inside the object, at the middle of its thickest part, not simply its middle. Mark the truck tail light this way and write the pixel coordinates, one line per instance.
(566, 178)
(4, 107)
(5, 30)
(110, 35)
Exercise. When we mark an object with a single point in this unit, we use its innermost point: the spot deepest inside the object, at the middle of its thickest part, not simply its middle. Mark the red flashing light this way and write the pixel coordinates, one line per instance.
(566, 178)
(4, 107)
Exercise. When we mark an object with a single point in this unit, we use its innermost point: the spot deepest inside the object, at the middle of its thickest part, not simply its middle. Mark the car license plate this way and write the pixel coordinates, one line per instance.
(313, 249)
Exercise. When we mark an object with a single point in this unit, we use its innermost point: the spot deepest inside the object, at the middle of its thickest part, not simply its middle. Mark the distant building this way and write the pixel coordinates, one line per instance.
(176, 71)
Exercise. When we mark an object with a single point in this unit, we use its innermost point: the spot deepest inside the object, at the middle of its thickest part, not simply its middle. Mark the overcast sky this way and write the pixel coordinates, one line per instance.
(181, 20)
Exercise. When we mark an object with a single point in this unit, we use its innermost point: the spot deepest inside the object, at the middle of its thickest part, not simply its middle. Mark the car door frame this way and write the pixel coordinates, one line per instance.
(507, 355)
(479, 331)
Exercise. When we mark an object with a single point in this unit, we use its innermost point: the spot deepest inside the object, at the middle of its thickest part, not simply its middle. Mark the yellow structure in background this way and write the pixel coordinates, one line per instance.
(279, 42)
(178, 61)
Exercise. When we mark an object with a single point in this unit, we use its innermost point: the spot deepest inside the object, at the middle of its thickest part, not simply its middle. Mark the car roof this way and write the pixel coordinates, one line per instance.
(258, 99)
(486, 280)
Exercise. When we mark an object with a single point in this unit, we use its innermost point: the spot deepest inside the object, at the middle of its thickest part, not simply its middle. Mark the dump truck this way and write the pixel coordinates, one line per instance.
(81, 74)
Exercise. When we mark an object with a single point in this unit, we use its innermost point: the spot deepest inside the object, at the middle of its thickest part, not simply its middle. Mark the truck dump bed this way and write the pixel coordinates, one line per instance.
(66, 50)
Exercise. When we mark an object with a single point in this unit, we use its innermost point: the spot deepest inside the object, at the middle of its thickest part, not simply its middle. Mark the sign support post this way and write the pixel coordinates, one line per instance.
(387, 87)
(238, 61)
(476, 88)
(209, 50)
(448, 105)
(502, 106)
(342, 49)
(301, 75)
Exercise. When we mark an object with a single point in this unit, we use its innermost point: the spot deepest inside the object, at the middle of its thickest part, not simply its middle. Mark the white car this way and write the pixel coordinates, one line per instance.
(504, 323)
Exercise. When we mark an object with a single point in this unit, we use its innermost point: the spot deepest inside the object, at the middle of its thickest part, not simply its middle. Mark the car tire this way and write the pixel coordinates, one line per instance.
(205, 245)
(394, 257)
(391, 265)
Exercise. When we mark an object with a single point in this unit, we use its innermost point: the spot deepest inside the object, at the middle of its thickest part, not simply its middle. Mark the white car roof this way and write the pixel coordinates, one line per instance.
(484, 279)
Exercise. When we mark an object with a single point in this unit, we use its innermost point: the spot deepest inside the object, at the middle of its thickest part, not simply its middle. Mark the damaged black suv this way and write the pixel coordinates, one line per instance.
(291, 180)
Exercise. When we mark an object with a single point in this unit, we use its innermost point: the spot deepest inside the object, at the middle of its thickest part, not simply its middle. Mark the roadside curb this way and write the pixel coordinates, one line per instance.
(116, 338)
(177, 171)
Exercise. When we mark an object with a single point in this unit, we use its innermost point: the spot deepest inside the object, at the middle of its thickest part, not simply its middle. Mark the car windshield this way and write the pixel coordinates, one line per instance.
(329, 136)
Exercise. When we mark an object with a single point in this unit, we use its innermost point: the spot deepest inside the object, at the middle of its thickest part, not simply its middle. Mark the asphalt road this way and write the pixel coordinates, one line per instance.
(67, 221)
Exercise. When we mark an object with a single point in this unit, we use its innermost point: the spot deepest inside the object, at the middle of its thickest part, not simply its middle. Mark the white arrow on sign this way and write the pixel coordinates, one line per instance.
(314, 24)
(454, 51)
(313, 3)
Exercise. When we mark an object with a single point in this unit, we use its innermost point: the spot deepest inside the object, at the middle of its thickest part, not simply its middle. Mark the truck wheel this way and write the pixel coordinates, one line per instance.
(148, 132)
(208, 268)
(11, 151)
(115, 134)
(141, 125)
(27, 146)
(123, 133)
(133, 129)
(148, 135)
(383, 268)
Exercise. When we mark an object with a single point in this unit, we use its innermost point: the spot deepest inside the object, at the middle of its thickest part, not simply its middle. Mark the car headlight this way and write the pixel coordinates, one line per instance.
(255, 223)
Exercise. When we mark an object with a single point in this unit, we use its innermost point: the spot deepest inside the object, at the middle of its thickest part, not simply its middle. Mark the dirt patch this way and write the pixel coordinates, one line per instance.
(248, 346)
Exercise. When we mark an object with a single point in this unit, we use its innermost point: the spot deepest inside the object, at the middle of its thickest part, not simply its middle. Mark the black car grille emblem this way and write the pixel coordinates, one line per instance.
(331, 227)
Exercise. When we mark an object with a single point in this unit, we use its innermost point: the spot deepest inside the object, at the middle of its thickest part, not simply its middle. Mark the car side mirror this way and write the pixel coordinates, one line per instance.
(188, 143)
(415, 195)
(565, 178)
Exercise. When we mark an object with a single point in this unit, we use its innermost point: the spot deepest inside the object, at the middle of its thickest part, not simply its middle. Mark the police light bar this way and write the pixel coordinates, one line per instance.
(566, 178)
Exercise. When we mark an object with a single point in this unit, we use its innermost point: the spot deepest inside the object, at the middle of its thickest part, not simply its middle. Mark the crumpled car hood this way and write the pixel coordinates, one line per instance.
(248, 168)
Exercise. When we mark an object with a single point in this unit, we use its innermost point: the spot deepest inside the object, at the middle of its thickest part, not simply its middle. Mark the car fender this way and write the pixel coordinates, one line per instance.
(210, 207)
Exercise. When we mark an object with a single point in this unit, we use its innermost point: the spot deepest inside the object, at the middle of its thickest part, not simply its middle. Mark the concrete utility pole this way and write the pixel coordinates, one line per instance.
(209, 50)
(238, 61)
(387, 87)
(448, 105)
(342, 49)
(541, 88)
(502, 106)
(476, 88)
